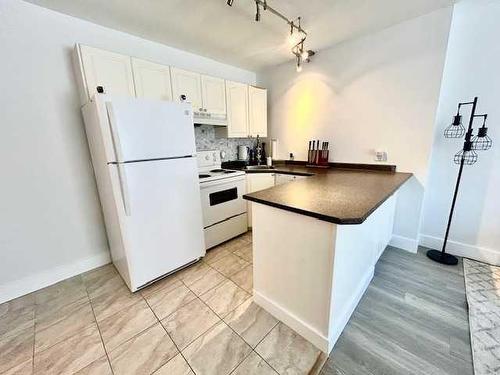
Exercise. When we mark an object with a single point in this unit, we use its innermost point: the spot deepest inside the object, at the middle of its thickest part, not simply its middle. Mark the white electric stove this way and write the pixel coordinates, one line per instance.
(221, 190)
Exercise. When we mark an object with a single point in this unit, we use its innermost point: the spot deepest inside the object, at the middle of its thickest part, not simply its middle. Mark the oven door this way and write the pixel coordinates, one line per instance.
(222, 199)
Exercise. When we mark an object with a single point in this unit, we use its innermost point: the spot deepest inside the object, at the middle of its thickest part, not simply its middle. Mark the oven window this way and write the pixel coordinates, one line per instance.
(223, 196)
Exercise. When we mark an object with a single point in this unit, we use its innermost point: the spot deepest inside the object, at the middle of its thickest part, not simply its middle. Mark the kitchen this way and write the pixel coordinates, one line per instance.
(190, 202)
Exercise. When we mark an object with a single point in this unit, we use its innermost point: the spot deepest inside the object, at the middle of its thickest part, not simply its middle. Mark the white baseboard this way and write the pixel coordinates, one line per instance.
(481, 254)
(18, 288)
(338, 326)
(405, 243)
(302, 328)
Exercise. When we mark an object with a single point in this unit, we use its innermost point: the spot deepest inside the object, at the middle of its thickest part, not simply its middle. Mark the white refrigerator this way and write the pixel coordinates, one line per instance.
(144, 158)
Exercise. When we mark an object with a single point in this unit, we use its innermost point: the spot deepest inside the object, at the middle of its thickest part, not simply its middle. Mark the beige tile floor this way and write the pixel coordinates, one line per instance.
(201, 320)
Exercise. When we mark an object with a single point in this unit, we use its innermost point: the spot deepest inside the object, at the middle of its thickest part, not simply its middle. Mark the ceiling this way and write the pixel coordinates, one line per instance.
(230, 34)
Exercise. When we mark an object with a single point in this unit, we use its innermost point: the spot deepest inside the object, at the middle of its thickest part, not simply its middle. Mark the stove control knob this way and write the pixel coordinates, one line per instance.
(207, 157)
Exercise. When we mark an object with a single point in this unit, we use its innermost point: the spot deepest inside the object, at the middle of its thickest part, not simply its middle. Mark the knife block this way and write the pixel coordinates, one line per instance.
(318, 159)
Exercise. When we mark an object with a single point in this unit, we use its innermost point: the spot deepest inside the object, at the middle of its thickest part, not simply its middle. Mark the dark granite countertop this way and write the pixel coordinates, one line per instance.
(336, 195)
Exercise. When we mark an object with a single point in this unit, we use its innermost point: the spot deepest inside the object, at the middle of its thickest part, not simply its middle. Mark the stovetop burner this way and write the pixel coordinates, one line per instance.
(225, 171)
(202, 175)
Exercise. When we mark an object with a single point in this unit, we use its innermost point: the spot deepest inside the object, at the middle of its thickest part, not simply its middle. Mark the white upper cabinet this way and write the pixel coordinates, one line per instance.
(215, 101)
(213, 92)
(237, 109)
(257, 113)
(188, 84)
(152, 80)
(110, 70)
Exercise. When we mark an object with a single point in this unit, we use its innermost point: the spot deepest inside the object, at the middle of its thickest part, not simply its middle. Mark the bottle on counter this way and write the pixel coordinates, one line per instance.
(263, 153)
(251, 154)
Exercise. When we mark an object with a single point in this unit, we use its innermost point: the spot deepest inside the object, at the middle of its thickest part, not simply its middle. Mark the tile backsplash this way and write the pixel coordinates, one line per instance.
(207, 140)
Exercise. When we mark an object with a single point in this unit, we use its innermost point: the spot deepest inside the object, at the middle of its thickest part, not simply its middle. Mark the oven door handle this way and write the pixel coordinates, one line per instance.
(230, 183)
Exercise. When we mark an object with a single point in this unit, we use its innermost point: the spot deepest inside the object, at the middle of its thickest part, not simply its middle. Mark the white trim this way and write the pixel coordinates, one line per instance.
(405, 243)
(302, 328)
(482, 254)
(18, 288)
(336, 328)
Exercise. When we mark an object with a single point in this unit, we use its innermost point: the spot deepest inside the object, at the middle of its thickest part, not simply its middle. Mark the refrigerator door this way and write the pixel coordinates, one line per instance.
(145, 129)
(158, 203)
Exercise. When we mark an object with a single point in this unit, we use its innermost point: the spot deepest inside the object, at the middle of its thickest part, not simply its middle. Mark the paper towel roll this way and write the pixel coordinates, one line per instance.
(274, 149)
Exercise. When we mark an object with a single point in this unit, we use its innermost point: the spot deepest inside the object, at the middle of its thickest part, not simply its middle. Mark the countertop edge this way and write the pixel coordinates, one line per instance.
(328, 218)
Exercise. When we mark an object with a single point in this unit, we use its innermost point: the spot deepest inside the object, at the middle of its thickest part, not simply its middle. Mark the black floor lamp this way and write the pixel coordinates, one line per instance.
(466, 156)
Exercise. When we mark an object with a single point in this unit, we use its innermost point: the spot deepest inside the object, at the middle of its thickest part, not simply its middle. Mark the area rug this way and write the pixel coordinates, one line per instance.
(482, 286)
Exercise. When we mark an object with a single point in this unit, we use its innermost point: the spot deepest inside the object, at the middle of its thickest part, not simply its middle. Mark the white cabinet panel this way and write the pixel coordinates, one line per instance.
(213, 92)
(237, 109)
(281, 179)
(152, 80)
(257, 119)
(187, 83)
(110, 70)
(256, 182)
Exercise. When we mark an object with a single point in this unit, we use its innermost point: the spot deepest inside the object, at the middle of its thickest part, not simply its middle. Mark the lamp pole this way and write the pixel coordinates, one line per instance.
(467, 156)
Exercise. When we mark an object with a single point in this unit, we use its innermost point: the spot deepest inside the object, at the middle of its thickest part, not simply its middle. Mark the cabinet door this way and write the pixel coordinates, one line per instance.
(187, 83)
(213, 92)
(256, 182)
(283, 178)
(152, 80)
(257, 101)
(237, 109)
(107, 69)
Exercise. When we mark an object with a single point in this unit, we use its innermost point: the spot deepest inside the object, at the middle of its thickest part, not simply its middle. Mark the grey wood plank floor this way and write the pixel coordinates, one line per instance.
(413, 319)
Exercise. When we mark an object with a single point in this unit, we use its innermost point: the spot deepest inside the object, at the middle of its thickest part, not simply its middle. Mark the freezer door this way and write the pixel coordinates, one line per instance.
(160, 215)
(145, 129)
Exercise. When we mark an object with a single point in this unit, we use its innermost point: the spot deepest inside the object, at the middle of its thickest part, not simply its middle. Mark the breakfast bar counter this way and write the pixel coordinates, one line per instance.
(316, 242)
(336, 195)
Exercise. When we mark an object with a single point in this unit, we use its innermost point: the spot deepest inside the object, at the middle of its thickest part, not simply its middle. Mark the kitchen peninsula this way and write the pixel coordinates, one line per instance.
(315, 244)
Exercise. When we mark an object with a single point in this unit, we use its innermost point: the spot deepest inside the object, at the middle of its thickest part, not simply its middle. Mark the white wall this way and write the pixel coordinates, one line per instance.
(50, 219)
(472, 69)
(378, 91)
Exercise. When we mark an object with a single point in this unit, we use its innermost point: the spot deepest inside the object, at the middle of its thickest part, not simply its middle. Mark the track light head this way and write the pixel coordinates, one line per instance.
(299, 64)
(230, 2)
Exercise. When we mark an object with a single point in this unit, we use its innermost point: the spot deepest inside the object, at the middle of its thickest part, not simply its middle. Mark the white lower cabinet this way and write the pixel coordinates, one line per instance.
(256, 182)
(280, 178)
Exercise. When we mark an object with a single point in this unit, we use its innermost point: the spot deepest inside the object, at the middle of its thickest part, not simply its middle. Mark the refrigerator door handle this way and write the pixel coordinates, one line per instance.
(114, 132)
(124, 188)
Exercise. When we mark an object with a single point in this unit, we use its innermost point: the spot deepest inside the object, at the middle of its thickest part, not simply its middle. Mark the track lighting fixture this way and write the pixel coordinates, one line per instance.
(304, 55)
(297, 35)
(257, 14)
(299, 64)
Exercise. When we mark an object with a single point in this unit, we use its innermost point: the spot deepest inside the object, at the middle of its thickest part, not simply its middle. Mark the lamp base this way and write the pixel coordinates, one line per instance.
(442, 258)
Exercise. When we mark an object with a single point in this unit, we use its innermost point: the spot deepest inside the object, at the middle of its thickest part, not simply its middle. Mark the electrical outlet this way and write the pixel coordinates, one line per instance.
(380, 155)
